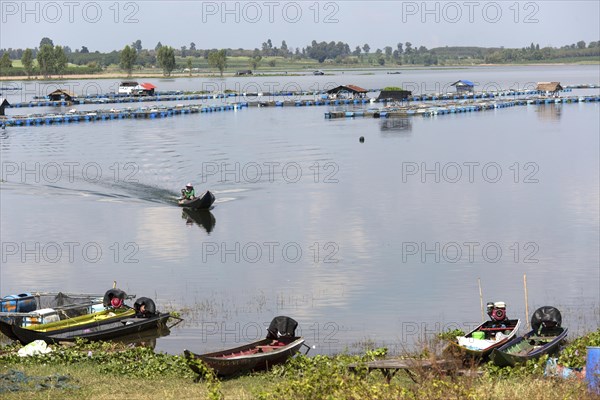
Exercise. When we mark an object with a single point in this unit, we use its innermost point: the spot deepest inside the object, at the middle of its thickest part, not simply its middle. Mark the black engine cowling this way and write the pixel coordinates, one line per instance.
(546, 317)
(144, 307)
(114, 298)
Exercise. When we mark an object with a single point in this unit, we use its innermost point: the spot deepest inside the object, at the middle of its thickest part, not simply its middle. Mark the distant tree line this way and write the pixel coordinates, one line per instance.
(48, 59)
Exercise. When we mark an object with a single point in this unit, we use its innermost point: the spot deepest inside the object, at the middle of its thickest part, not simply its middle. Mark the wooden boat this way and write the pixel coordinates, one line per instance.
(203, 202)
(104, 331)
(132, 321)
(279, 345)
(481, 341)
(545, 338)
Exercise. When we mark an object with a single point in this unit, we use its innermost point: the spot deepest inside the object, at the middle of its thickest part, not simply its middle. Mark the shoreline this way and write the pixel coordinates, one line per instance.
(296, 72)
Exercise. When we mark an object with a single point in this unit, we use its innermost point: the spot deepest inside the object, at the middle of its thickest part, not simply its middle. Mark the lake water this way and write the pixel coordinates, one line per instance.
(381, 241)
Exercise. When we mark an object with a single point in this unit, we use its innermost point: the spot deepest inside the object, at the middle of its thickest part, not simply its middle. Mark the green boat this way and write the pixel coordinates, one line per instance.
(114, 310)
(545, 338)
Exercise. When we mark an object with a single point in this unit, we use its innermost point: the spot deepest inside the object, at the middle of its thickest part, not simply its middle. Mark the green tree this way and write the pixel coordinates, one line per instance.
(127, 59)
(189, 65)
(45, 59)
(218, 60)
(5, 62)
(27, 61)
(388, 52)
(166, 59)
(60, 60)
(137, 45)
(255, 62)
(46, 40)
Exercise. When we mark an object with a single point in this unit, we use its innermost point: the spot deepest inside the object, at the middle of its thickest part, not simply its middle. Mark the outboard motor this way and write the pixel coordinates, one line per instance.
(114, 298)
(282, 327)
(144, 307)
(497, 311)
(546, 317)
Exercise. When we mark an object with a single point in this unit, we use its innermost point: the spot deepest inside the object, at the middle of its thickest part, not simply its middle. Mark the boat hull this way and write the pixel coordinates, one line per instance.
(104, 331)
(203, 202)
(520, 350)
(480, 354)
(225, 363)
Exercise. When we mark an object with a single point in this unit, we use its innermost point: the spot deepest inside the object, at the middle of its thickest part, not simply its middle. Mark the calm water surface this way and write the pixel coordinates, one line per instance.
(378, 241)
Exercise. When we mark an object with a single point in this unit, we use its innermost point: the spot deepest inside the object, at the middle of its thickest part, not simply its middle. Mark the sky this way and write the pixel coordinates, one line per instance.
(110, 25)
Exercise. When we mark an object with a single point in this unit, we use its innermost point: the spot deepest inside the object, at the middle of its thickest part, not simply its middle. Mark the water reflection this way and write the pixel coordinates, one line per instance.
(396, 125)
(145, 338)
(549, 112)
(202, 218)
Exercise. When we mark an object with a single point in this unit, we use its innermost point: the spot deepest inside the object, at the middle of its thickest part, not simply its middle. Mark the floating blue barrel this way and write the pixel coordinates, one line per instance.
(327, 115)
(24, 302)
(383, 114)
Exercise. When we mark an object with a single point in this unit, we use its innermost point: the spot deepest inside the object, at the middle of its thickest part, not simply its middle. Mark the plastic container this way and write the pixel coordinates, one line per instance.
(478, 335)
(592, 368)
(43, 316)
(23, 303)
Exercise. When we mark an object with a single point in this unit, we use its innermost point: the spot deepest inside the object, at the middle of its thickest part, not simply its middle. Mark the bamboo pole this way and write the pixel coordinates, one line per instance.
(526, 302)
(481, 299)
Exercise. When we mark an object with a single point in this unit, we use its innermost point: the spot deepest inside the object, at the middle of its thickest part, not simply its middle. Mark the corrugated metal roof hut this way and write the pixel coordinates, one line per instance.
(61, 94)
(347, 91)
(463, 86)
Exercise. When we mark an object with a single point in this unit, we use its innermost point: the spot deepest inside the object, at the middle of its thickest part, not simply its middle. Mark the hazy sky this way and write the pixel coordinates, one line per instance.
(110, 25)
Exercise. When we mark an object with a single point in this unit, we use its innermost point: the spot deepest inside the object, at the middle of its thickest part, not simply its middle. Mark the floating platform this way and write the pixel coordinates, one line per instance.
(257, 98)
(75, 116)
(454, 108)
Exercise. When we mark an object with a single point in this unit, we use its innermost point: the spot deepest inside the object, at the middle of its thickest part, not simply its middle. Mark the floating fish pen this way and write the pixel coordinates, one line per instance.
(75, 116)
(257, 98)
(454, 108)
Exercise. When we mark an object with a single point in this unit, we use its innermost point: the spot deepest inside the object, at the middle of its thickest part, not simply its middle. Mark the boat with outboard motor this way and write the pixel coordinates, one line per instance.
(546, 336)
(280, 344)
(481, 341)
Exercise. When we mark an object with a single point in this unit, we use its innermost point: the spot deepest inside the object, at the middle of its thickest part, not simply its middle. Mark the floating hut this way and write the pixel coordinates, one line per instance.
(127, 87)
(394, 95)
(61, 95)
(551, 88)
(347, 92)
(463, 86)
(3, 104)
(144, 89)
